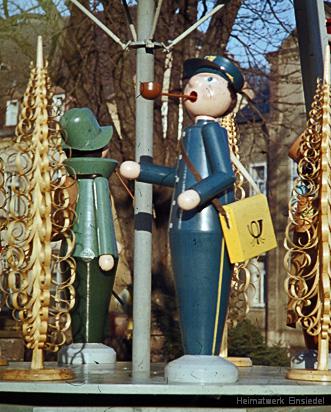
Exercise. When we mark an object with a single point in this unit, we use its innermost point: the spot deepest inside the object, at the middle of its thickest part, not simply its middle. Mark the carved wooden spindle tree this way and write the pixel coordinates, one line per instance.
(37, 280)
(308, 236)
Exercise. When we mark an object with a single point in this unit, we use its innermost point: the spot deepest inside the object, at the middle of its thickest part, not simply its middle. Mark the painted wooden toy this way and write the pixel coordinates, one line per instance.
(199, 255)
(96, 250)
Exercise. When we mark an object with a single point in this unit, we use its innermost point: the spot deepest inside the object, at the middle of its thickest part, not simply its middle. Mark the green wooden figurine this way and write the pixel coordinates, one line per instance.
(86, 144)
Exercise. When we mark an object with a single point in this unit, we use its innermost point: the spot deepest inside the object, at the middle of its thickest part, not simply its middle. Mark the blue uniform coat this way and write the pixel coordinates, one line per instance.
(199, 256)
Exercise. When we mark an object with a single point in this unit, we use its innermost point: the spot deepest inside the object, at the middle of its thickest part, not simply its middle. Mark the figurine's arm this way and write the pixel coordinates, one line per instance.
(222, 177)
(149, 173)
(105, 228)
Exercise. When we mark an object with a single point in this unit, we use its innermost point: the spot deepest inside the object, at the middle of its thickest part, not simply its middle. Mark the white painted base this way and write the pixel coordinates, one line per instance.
(86, 353)
(201, 369)
(306, 359)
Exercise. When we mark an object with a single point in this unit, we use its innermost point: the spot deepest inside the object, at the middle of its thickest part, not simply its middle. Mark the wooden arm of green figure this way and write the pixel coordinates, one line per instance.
(106, 231)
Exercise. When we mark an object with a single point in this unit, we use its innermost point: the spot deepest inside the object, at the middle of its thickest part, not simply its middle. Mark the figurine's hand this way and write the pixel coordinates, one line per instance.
(130, 169)
(106, 262)
(188, 200)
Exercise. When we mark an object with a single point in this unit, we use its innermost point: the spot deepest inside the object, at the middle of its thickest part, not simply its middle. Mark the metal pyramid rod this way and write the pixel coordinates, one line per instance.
(99, 23)
(156, 18)
(130, 21)
(171, 44)
(194, 26)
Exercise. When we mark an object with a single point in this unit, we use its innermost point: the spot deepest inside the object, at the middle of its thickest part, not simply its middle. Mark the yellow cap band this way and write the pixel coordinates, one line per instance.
(211, 59)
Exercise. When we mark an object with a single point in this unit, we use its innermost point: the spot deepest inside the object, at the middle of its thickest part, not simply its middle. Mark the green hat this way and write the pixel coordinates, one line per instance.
(217, 65)
(82, 131)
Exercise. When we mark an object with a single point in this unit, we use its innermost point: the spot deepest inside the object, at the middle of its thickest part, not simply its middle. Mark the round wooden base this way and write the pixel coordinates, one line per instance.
(240, 362)
(309, 375)
(3, 362)
(36, 374)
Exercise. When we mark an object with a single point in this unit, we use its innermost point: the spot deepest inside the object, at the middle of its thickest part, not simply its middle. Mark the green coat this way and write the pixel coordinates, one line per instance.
(94, 227)
(95, 236)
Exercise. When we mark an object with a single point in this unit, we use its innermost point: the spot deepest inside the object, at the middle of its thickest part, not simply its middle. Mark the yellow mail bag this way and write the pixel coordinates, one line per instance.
(248, 229)
(246, 223)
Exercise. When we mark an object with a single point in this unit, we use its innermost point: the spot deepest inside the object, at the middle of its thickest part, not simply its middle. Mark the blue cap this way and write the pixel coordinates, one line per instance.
(217, 65)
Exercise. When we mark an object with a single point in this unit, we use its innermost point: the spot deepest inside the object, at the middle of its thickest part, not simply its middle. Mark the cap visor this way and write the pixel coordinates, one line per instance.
(191, 66)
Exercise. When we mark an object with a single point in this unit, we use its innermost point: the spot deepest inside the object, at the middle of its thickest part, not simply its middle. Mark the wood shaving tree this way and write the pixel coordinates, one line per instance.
(36, 279)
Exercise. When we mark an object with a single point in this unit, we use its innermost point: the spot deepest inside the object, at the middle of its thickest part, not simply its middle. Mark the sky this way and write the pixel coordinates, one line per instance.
(263, 35)
(260, 27)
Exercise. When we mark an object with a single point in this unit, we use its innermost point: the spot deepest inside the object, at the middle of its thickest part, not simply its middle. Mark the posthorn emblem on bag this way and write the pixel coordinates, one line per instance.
(251, 232)
(255, 229)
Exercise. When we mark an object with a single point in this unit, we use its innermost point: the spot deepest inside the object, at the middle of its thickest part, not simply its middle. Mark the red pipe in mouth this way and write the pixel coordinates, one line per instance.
(152, 90)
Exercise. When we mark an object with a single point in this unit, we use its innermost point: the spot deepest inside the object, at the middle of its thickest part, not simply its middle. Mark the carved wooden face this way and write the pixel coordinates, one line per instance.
(213, 95)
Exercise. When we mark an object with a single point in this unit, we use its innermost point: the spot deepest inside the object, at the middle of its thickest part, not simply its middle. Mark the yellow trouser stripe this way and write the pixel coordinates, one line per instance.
(219, 291)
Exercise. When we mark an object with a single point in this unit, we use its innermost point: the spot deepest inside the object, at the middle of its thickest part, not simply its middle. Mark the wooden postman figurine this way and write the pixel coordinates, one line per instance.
(199, 255)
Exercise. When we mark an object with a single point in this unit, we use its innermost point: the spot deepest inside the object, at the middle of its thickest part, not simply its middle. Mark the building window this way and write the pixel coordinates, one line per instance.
(11, 112)
(293, 173)
(258, 171)
(58, 105)
(256, 293)
(3, 67)
(257, 267)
